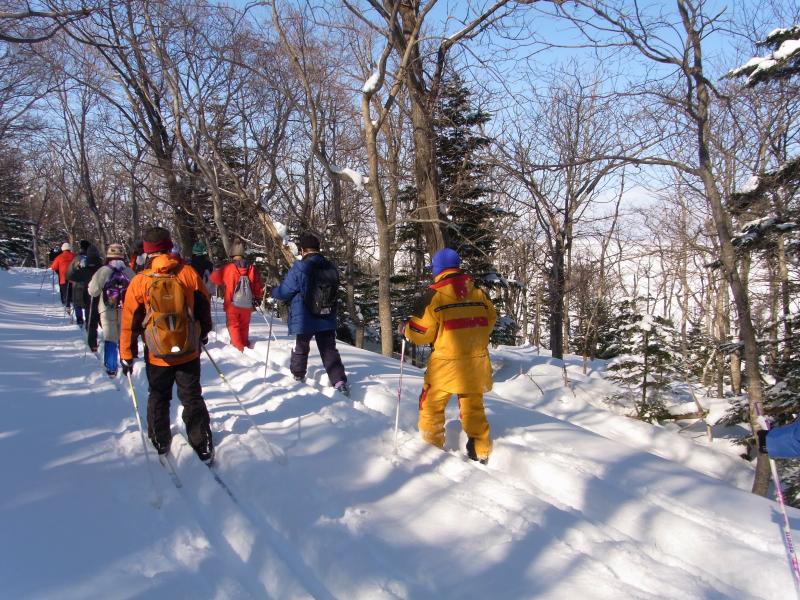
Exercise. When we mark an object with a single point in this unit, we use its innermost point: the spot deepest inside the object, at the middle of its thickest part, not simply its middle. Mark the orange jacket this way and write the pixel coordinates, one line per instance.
(135, 306)
(61, 264)
(229, 277)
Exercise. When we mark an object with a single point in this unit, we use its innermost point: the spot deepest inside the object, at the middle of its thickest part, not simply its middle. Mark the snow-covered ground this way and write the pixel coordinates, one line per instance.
(576, 502)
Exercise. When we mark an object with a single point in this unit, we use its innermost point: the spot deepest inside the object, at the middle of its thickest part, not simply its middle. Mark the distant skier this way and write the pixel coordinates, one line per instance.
(138, 258)
(201, 263)
(310, 287)
(457, 318)
(107, 288)
(80, 272)
(168, 305)
(243, 291)
(60, 265)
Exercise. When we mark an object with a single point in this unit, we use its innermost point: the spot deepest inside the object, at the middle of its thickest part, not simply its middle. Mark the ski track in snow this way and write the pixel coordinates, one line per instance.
(576, 502)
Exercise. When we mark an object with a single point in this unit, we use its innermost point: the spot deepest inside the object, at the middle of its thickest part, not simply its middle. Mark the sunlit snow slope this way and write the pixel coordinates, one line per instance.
(575, 503)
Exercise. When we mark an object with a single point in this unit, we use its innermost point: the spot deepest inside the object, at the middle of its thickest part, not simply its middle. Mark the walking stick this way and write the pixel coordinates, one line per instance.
(41, 285)
(787, 531)
(269, 339)
(399, 392)
(144, 442)
(277, 454)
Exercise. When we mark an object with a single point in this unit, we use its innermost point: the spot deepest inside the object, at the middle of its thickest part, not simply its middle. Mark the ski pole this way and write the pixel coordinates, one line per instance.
(41, 285)
(88, 322)
(399, 392)
(144, 442)
(215, 301)
(278, 455)
(269, 340)
(787, 531)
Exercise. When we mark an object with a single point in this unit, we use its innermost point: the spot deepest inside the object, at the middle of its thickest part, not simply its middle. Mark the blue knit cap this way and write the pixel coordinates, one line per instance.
(446, 258)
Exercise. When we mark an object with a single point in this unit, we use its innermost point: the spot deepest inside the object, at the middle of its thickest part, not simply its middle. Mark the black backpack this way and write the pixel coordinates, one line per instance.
(323, 287)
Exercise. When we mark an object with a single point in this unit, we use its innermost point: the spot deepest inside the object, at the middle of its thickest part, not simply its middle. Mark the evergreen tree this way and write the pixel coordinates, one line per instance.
(15, 232)
(471, 228)
(647, 358)
(700, 347)
(472, 219)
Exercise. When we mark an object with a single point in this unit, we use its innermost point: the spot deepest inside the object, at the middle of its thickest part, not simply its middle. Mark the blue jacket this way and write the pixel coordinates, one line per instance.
(293, 290)
(784, 442)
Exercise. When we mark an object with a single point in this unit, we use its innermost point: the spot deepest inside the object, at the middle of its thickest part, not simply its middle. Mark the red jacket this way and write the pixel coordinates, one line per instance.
(229, 277)
(61, 264)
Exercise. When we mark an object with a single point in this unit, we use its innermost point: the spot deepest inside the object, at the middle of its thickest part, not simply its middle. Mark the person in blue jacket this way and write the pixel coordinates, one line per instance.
(781, 442)
(303, 323)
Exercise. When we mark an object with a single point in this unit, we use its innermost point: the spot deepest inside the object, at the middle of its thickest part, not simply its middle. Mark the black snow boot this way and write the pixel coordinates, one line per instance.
(161, 447)
(471, 452)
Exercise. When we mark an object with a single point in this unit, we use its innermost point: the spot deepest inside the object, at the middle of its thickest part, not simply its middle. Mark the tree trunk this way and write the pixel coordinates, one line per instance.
(425, 163)
(556, 300)
(722, 224)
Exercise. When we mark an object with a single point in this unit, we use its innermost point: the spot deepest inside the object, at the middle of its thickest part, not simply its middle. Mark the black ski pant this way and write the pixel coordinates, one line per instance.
(195, 414)
(66, 293)
(326, 343)
(92, 322)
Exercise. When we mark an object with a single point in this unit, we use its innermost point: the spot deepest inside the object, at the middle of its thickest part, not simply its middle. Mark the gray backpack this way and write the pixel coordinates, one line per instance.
(243, 294)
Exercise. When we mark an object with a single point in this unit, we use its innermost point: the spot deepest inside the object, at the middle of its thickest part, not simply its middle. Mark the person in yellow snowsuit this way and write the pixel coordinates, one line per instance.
(456, 318)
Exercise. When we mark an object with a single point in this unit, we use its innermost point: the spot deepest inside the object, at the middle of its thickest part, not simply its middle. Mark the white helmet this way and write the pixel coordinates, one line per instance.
(66, 246)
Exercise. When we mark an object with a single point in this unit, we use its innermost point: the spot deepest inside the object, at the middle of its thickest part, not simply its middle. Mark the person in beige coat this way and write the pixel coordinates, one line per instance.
(107, 287)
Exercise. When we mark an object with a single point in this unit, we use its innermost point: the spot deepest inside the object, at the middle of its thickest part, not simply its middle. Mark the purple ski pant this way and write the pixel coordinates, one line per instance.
(326, 343)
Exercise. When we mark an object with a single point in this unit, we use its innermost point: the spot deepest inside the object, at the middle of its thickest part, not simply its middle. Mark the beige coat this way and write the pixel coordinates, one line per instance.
(109, 316)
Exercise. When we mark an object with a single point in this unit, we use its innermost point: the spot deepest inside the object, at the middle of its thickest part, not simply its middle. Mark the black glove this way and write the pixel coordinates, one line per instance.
(257, 302)
(204, 340)
(127, 366)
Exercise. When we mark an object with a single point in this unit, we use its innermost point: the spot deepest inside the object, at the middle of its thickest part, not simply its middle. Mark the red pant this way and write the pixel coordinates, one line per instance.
(239, 326)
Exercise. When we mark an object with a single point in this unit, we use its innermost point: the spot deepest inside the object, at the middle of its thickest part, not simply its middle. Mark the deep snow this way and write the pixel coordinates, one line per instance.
(577, 502)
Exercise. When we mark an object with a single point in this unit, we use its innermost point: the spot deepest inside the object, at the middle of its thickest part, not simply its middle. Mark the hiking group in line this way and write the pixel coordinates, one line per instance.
(157, 295)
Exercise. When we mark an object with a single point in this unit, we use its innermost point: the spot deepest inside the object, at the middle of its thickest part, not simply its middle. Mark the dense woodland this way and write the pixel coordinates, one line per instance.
(619, 187)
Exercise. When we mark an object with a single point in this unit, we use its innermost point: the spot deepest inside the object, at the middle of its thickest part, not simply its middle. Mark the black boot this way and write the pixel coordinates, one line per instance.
(160, 446)
(471, 452)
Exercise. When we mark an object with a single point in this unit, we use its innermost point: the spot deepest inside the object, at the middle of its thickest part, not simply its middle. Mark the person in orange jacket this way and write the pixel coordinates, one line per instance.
(456, 318)
(60, 266)
(238, 304)
(168, 366)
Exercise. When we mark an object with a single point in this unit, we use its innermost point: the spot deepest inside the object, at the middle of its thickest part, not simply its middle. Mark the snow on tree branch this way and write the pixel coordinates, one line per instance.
(787, 175)
(371, 84)
(756, 231)
(354, 176)
(783, 62)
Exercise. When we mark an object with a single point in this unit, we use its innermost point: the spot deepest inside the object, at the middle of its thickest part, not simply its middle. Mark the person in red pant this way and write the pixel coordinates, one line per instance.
(60, 265)
(243, 291)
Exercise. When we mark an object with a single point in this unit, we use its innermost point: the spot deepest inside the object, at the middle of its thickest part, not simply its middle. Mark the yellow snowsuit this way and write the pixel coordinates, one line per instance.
(457, 319)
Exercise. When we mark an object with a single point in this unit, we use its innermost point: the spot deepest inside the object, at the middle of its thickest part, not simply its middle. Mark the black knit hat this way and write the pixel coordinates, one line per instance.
(308, 240)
